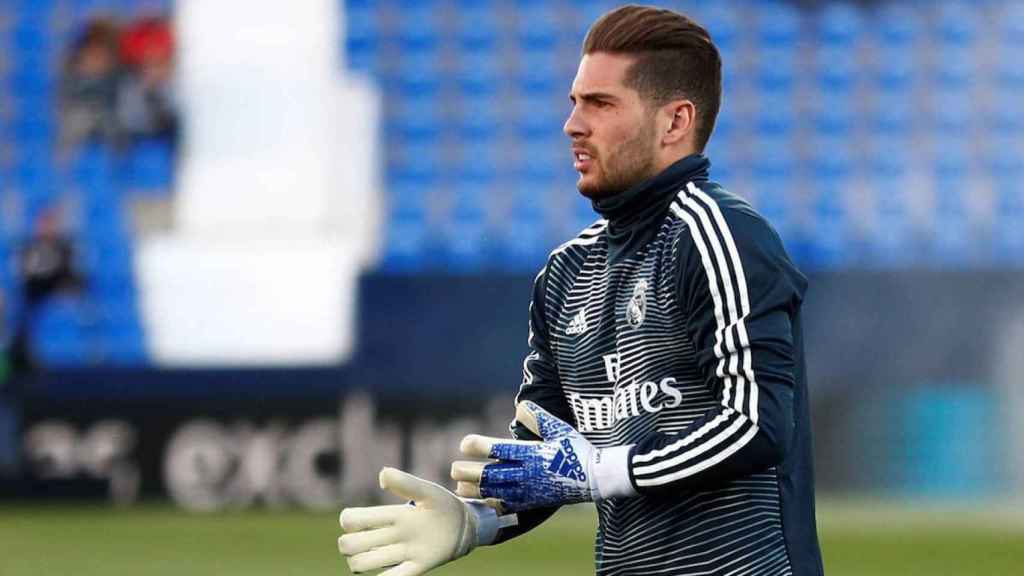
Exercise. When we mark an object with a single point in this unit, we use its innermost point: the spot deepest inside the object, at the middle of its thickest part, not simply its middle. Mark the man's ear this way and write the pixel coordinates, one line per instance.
(680, 121)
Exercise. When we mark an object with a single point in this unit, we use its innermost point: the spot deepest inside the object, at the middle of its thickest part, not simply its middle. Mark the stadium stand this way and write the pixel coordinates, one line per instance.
(896, 140)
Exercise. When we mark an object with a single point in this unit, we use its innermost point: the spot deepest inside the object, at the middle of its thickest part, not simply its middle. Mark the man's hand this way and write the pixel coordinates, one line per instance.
(435, 528)
(564, 468)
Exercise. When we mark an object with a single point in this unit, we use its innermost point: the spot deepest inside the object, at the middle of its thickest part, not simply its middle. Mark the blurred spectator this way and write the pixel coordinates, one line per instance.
(46, 266)
(8, 404)
(5, 365)
(89, 86)
(146, 103)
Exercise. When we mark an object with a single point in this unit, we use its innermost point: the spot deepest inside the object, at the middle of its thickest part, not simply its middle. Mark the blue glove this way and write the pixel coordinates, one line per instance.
(563, 468)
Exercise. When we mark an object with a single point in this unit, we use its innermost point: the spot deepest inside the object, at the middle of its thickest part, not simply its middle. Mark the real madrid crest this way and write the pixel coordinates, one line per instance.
(637, 308)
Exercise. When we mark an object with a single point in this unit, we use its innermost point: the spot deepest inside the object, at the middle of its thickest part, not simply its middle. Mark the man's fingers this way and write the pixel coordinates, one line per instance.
(377, 558)
(541, 422)
(359, 542)
(465, 471)
(477, 446)
(468, 489)
(407, 568)
(409, 487)
(356, 519)
(502, 473)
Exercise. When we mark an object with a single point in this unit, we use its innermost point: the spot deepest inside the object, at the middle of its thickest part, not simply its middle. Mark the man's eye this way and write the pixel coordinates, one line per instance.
(602, 104)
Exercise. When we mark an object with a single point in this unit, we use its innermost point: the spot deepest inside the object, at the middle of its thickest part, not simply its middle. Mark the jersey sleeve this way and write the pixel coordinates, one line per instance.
(739, 291)
(541, 385)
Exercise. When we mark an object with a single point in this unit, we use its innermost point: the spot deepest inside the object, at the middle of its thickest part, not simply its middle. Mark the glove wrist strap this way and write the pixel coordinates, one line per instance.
(487, 522)
(610, 473)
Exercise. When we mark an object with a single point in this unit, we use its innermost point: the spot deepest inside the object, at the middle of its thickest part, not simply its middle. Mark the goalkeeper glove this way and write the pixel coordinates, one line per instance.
(563, 468)
(435, 528)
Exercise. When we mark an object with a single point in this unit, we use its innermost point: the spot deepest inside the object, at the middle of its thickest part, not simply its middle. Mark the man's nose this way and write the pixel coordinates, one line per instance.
(574, 126)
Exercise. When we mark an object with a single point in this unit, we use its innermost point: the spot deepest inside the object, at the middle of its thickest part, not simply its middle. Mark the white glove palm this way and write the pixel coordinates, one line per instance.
(413, 538)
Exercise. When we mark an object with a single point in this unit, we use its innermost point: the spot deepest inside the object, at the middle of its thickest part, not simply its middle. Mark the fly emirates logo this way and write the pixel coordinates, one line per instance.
(601, 412)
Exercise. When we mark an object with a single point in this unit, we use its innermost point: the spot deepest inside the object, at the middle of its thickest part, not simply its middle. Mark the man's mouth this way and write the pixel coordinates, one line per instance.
(582, 160)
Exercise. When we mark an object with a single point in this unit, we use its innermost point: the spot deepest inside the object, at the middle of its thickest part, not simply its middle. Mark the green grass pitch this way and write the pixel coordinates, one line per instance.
(857, 540)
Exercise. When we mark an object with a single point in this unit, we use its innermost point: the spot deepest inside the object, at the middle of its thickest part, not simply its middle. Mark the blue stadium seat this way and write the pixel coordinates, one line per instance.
(773, 157)
(834, 114)
(524, 243)
(1011, 23)
(586, 12)
(416, 118)
(540, 116)
(958, 22)
(835, 68)
(778, 23)
(828, 229)
(1009, 73)
(31, 82)
(722, 20)
(405, 249)
(952, 160)
(776, 68)
(840, 24)
(776, 120)
(1008, 222)
(30, 41)
(479, 72)
(482, 160)
(30, 11)
(723, 152)
(957, 68)
(408, 196)
(951, 234)
(539, 72)
(151, 165)
(1004, 159)
(104, 254)
(831, 162)
(362, 35)
(415, 160)
(889, 158)
(897, 71)
(898, 25)
(894, 113)
(113, 286)
(59, 332)
(34, 177)
(537, 25)
(419, 73)
(541, 159)
(124, 348)
(92, 162)
(478, 25)
(419, 25)
(952, 111)
(771, 194)
(464, 235)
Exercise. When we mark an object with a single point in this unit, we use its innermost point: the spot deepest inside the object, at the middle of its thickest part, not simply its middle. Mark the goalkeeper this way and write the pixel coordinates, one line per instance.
(665, 380)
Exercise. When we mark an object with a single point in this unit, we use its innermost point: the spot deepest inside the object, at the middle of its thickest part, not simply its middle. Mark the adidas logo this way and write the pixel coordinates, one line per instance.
(578, 324)
(567, 463)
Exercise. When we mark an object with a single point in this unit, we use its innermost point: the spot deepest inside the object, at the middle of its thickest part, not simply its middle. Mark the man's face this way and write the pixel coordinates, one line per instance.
(613, 135)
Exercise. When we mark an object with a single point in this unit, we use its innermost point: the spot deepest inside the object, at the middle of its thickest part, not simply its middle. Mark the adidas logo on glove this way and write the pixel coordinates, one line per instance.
(567, 463)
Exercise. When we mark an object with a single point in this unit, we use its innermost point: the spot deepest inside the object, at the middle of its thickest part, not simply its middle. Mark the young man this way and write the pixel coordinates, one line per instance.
(666, 378)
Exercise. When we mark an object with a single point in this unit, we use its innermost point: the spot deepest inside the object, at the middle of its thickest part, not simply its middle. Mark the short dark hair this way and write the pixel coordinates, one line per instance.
(675, 58)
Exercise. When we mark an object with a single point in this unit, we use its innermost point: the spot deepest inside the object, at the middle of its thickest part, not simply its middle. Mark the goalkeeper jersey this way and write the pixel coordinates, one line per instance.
(672, 324)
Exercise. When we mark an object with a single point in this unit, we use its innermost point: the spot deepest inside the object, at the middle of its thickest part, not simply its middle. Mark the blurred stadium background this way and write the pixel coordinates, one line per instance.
(252, 251)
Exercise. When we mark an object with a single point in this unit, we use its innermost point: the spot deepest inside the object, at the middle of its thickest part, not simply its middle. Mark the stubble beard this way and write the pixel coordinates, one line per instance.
(631, 162)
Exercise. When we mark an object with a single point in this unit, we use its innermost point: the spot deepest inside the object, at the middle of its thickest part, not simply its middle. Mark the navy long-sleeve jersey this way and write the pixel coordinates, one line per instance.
(673, 325)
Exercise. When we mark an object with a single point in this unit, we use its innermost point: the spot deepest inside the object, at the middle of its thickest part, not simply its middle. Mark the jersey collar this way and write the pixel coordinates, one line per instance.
(634, 213)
